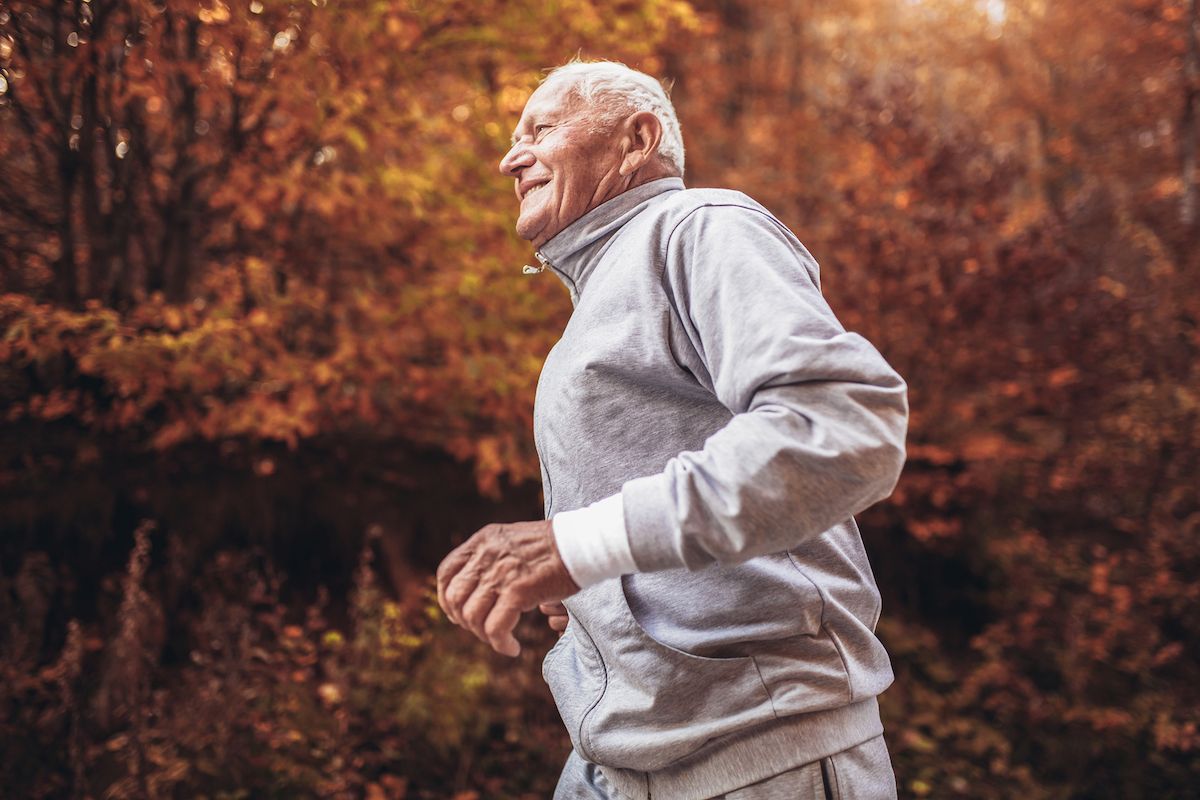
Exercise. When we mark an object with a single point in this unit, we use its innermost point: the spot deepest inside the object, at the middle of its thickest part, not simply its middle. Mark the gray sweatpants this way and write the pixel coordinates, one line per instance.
(863, 772)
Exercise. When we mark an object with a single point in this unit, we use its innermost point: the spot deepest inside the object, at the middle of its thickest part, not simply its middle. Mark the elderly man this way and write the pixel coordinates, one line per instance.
(707, 430)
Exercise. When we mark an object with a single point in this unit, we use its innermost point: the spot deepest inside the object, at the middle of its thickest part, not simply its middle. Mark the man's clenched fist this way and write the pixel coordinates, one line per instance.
(504, 569)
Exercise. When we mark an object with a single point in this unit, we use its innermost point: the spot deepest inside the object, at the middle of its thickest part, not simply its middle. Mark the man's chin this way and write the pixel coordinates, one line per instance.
(532, 231)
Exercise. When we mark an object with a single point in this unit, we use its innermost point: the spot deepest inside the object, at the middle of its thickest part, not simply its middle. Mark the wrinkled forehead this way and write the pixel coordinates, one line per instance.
(555, 98)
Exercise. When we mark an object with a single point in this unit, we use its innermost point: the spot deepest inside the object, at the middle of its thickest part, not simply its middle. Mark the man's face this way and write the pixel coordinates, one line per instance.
(561, 168)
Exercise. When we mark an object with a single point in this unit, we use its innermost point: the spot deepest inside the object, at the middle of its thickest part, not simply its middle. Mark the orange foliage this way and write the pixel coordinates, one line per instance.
(262, 220)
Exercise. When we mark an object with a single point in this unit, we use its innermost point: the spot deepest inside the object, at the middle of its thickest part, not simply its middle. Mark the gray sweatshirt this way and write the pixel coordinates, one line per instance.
(703, 376)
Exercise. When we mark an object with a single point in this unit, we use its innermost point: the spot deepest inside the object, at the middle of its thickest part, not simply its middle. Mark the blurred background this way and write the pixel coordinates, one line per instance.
(266, 354)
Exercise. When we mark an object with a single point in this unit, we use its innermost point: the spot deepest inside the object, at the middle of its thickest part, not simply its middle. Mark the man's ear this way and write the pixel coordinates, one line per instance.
(642, 135)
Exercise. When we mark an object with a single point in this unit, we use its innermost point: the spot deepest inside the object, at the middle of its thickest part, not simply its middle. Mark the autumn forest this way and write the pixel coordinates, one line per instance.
(267, 353)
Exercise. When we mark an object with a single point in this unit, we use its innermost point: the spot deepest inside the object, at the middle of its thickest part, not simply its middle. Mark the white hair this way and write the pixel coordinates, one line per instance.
(627, 91)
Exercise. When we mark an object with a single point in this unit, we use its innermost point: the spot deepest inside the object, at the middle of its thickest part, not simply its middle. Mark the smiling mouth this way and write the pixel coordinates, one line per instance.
(534, 190)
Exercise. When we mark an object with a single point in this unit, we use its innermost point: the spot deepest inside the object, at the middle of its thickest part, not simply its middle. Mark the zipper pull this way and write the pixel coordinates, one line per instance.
(542, 264)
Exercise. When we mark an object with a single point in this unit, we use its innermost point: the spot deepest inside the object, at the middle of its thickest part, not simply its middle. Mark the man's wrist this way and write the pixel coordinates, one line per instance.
(593, 543)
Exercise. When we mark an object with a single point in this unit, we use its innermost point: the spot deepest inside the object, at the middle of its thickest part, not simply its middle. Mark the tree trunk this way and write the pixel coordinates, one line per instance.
(1187, 126)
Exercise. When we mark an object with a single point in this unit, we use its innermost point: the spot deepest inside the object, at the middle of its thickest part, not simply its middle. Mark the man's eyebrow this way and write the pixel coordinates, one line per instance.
(550, 119)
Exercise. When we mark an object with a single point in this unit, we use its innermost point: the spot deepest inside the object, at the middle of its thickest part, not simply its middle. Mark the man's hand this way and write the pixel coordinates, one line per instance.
(485, 583)
(556, 616)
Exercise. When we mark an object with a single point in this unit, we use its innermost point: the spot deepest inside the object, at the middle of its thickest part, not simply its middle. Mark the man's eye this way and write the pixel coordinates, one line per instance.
(538, 130)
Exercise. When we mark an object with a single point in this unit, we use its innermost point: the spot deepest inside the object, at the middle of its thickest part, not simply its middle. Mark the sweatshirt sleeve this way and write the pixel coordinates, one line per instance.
(819, 417)
(593, 543)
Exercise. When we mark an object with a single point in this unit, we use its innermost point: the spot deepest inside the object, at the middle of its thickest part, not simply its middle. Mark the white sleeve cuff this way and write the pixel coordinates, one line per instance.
(593, 543)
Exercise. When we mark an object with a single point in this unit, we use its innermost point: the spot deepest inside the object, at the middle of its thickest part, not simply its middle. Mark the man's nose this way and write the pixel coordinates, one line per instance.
(516, 159)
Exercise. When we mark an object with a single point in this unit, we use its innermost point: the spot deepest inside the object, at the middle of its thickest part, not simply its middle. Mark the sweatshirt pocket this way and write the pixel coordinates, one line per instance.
(576, 677)
(660, 704)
